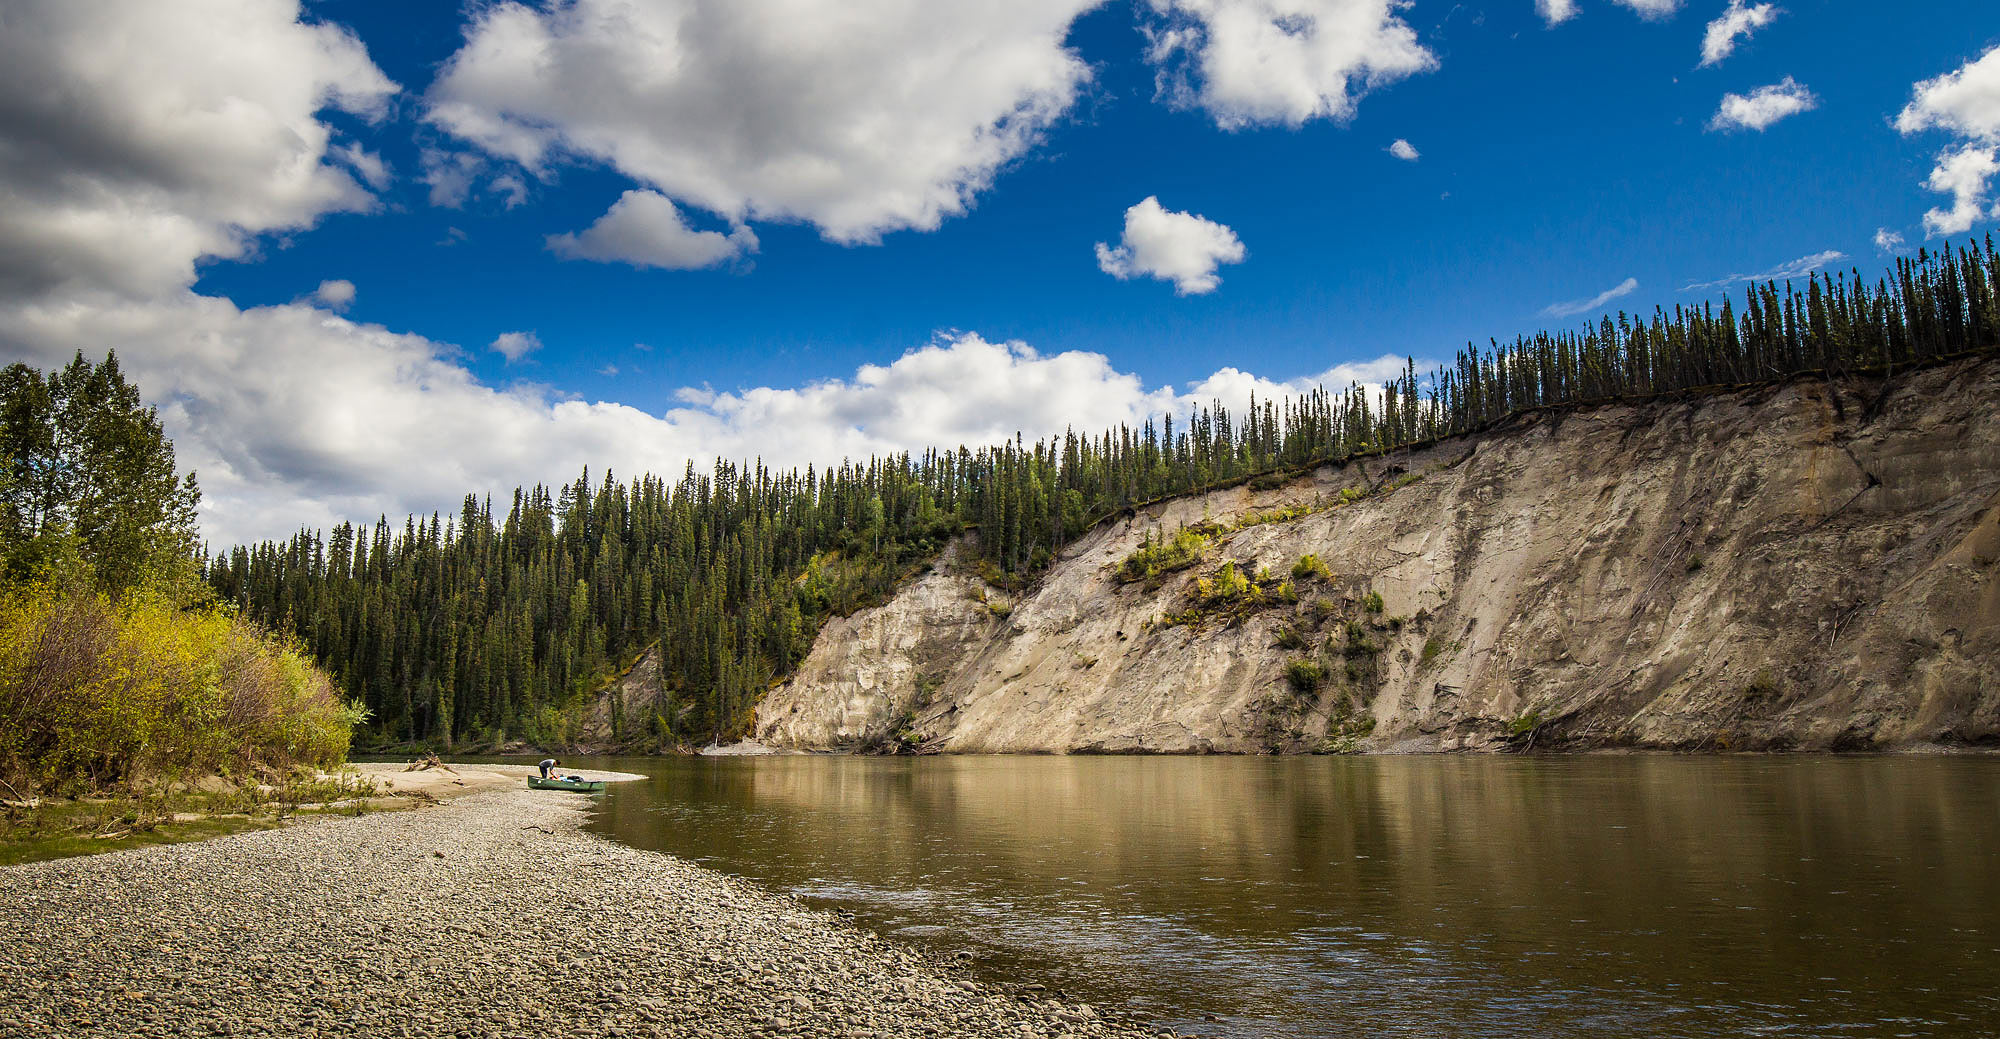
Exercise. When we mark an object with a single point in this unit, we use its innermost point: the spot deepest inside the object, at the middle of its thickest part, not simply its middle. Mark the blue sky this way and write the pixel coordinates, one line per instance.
(1554, 163)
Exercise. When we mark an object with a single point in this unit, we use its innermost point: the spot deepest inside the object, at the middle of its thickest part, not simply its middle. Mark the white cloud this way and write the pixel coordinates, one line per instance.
(1966, 104)
(1740, 19)
(1556, 12)
(1403, 150)
(294, 415)
(516, 345)
(335, 293)
(1652, 9)
(511, 188)
(644, 229)
(1763, 107)
(176, 131)
(1888, 241)
(1798, 268)
(861, 117)
(1179, 247)
(367, 165)
(1966, 175)
(450, 175)
(1574, 307)
(1280, 62)
(140, 136)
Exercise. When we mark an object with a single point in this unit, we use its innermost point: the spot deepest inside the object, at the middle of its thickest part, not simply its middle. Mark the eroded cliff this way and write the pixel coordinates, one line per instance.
(1796, 566)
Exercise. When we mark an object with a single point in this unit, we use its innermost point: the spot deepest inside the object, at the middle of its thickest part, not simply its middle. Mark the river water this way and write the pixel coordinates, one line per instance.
(1616, 896)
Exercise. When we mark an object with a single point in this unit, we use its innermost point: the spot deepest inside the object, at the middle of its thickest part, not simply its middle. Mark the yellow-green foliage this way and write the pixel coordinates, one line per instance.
(1311, 566)
(1154, 558)
(96, 690)
(1227, 587)
(1282, 514)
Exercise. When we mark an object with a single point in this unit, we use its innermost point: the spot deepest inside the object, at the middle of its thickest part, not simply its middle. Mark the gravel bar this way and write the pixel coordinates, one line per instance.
(490, 916)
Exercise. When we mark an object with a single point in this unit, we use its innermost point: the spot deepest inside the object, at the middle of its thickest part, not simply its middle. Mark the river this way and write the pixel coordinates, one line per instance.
(1615, 896)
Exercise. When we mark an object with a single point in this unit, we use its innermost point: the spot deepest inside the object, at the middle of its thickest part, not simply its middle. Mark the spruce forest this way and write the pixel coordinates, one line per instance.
(490, 625)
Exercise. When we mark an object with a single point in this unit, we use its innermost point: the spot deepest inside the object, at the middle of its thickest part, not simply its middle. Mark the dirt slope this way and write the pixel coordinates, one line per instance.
(1782, 567)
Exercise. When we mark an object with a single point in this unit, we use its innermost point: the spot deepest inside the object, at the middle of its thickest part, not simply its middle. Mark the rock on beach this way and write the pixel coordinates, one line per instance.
(492, 915)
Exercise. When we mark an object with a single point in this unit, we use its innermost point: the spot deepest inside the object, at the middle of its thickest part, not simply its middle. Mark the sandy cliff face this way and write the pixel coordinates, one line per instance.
(1795, 566)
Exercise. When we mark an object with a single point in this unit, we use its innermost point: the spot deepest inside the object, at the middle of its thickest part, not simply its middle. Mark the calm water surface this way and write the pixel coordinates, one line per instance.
(1597, 896)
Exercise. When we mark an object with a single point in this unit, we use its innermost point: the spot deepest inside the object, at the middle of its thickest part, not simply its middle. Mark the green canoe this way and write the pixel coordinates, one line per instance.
(581, 786)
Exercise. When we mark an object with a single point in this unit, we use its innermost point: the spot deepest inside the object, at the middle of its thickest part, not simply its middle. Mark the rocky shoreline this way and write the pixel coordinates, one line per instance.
(493, 915)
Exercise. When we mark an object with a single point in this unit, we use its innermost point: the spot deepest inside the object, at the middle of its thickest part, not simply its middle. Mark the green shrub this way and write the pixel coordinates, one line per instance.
(1154, 558)
(1304, 674)
(1311, 566)
(1227, 587)
(1372, 602)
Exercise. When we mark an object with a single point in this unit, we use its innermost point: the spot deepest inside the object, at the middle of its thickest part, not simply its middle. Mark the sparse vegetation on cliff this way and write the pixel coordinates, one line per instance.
(479, 622)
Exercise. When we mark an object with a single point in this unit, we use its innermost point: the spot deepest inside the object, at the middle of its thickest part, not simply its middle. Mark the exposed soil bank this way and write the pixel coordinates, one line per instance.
(1805, 566)
(494, 916)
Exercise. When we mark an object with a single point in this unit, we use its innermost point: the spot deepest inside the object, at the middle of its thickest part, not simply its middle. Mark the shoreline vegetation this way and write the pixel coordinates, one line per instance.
(495, 915)
(134, 706)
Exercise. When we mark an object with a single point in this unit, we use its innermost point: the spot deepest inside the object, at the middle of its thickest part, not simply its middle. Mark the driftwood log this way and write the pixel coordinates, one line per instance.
(428, 761)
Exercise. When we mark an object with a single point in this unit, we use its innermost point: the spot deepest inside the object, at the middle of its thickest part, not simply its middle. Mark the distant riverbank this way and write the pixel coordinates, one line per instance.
(493, 915)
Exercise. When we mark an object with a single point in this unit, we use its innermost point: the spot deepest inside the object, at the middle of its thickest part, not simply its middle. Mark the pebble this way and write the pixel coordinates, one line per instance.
(492, 915)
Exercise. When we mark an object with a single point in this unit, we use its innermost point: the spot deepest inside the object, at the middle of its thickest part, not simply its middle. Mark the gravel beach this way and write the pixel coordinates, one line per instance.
(491, 915)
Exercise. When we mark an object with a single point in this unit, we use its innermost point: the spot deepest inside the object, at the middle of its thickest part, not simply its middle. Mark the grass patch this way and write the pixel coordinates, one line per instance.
(53, 828)
(40, 848)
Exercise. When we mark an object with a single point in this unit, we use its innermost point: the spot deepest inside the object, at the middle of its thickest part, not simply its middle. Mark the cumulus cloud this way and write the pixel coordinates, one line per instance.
(367, 165)
(141, 136)
(1179, 247)
(1556, 12)
(1280, 62)
(294, 414)
(1763, 106)
(1966, 104)
(516, 345)
(1574, 307)
(644, 229)
(1888, 241)
(1739, 20)
(1403, 150)
(335, 293)
(1798, 268)
(1652, 9)
(860, 118)
(1966, 174)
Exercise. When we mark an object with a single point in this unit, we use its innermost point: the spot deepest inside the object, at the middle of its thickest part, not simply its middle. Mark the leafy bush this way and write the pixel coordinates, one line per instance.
(1227, 587)
(1372, 602)
(96, 690)
(1154, 558)
(1311, 566)
(1304, 674)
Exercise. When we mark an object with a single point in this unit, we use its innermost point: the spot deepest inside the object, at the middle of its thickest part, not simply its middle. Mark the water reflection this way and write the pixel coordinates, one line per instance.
(1612, 896)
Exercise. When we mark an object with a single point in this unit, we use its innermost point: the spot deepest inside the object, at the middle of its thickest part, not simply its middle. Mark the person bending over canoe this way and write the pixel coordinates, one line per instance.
(549, 766)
